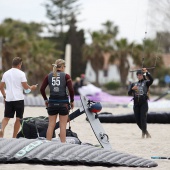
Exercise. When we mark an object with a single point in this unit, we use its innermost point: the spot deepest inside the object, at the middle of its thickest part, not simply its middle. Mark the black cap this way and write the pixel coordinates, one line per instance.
(139, 72)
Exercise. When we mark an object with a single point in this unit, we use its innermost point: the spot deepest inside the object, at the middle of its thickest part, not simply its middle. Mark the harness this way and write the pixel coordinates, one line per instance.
(142, 90)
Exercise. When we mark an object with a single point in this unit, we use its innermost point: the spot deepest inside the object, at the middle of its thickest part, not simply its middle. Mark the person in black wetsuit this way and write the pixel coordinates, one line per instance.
(140, 92)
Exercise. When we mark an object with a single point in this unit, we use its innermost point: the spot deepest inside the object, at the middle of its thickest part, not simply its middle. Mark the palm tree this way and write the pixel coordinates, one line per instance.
(150, 52)
(110, 28)
(98, 52)
(41, 56)
(101, 49)
(23, 40)
(123, 50)
(17, 37)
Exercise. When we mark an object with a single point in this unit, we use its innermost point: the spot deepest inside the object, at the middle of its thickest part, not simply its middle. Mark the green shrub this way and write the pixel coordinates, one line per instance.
(112, 85)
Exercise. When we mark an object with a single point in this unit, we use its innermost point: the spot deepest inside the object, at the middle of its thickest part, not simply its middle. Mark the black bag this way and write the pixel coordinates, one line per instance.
(70, 133)
(32, 127)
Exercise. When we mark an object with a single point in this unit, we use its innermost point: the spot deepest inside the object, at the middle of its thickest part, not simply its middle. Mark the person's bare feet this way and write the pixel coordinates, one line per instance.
(148, 135)
(143, 135)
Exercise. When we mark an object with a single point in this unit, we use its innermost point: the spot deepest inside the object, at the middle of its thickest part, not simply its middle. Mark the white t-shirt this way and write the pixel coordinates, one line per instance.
(13, 79)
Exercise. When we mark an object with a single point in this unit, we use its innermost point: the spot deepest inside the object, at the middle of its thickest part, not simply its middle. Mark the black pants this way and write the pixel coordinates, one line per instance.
(140, 109)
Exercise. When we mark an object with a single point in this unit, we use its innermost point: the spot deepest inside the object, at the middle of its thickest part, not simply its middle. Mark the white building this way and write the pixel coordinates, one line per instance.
(113, 73)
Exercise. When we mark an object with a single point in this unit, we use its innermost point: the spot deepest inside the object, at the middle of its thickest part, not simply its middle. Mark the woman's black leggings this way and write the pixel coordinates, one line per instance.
(140, 111)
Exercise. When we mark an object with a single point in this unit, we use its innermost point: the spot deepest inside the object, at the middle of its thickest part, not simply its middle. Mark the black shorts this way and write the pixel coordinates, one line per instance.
(58, 108)
(12, 107)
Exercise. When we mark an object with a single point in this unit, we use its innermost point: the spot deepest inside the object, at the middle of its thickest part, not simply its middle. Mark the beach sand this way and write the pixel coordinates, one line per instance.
(123, 137)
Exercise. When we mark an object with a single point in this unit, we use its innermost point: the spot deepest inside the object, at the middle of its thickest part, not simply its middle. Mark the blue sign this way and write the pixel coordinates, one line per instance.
(167, 79)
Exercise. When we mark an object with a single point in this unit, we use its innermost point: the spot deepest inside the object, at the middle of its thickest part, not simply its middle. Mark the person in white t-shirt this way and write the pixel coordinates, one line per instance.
(15, 81)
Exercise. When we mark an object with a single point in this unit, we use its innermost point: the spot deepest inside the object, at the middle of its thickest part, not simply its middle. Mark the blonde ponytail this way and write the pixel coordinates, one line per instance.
(54, 70)
(59, 62)
(57, 65)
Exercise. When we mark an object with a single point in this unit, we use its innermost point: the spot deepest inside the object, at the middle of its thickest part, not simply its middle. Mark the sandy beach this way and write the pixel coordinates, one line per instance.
(124, 138)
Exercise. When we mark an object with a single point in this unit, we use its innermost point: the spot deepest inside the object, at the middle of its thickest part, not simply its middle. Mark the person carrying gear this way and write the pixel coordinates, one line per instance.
(139, 90)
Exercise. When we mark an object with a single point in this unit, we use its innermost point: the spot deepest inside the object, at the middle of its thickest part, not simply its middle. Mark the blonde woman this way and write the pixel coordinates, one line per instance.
(58, 102)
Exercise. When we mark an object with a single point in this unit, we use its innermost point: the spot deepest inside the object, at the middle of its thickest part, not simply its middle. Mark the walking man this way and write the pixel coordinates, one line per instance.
(15, 81)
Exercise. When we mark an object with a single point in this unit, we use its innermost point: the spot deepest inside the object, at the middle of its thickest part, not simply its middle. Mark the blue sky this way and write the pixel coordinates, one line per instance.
(131, 16)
